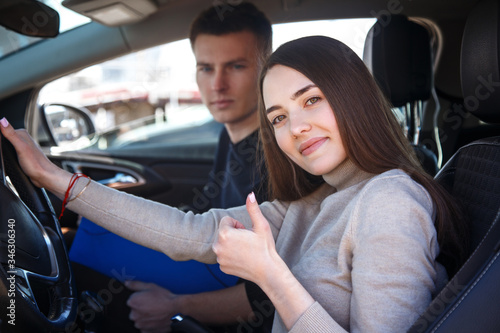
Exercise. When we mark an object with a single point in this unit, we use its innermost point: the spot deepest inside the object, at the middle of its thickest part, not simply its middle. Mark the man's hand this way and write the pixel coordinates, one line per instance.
(151, 307)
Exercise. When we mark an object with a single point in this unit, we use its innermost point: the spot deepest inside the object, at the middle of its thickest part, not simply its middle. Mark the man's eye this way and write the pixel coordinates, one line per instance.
(204, 69)
(237, 66)
(278, 119)
(312, 100)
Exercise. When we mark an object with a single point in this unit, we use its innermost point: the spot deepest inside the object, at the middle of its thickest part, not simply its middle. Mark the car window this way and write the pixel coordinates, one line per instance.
(151, 97)
(11, 41)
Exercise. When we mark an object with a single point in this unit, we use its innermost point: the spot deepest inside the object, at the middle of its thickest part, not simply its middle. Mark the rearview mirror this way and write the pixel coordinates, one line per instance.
(29, 17)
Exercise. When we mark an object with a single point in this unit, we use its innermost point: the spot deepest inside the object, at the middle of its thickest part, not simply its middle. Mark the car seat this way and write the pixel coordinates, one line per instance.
(398, 54)
(470, 302)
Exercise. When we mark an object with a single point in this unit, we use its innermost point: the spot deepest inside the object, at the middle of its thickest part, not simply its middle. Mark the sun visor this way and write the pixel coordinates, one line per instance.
(112, 12)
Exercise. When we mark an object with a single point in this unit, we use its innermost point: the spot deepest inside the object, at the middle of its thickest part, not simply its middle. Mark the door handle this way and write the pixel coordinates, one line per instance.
(118, 180)
(118, 176)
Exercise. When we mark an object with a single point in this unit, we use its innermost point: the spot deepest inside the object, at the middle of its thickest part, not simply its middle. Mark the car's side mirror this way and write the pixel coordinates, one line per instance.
(67, 124)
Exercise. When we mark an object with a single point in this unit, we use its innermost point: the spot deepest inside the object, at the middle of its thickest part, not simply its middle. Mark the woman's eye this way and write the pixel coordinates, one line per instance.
(312, 100)
(278, 119)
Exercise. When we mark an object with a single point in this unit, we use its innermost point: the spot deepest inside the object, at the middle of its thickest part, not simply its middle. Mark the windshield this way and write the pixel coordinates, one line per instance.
(11, 41)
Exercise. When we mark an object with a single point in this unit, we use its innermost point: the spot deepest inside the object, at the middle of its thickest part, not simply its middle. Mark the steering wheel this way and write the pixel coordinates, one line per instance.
(37, 292)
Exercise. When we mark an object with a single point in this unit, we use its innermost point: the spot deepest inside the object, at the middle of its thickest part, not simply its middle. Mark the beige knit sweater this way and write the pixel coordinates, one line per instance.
(363, 246)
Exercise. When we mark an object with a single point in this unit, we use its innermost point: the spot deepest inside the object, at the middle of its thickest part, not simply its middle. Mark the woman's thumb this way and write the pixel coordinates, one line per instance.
(259, 222)
(10, 134)
(7, 130)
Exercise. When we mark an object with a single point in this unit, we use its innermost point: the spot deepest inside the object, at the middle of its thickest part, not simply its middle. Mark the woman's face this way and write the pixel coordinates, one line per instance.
(304, 124)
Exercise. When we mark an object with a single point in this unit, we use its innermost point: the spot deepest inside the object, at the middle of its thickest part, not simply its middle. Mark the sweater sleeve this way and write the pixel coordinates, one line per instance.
(316, 319)
(181, 236)
(392, 244)
(394, 247)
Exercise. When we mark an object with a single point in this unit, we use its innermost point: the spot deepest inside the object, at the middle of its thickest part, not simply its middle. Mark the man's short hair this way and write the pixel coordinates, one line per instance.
(225, 18)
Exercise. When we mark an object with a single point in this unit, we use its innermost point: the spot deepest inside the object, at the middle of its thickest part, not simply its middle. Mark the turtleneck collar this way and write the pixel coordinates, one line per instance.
(345, 175)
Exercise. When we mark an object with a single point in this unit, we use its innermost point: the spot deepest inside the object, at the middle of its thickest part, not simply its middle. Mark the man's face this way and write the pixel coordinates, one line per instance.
(227, 74)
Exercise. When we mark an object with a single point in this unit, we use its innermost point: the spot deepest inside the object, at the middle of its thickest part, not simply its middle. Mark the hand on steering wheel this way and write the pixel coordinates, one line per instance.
(36, 282)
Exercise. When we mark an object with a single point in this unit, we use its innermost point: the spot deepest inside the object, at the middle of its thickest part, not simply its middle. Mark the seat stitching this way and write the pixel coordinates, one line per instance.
(495, 221)
(467, 293)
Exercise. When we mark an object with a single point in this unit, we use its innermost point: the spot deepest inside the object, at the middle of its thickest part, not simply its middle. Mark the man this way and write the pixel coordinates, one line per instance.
(229, 45)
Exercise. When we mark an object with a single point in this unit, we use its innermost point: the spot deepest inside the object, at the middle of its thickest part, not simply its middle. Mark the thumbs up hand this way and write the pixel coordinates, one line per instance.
(242, 252)
(251, 255)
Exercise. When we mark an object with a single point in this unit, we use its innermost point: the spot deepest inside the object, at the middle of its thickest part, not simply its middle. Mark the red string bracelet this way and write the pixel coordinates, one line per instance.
(71, 184)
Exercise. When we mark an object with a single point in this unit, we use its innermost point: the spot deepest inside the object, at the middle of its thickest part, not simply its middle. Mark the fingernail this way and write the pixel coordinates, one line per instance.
(4, 122)
(251, 196)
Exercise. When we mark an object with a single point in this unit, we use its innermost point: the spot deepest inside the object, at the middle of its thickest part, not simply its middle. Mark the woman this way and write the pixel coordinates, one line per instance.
(350, 241)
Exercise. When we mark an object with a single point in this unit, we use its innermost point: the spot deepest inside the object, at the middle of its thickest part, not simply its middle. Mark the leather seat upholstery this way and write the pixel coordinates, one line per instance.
(398, 53)
(470, 302)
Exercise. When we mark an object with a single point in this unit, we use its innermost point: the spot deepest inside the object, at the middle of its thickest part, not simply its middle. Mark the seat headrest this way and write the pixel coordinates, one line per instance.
(398, 53)
(480, 73)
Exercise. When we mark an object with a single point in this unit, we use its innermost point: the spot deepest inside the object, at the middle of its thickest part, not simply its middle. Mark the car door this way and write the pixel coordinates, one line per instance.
(135, 123)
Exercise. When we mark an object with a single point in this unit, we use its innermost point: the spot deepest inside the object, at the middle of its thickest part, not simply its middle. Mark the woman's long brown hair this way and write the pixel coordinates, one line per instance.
(373, 138)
